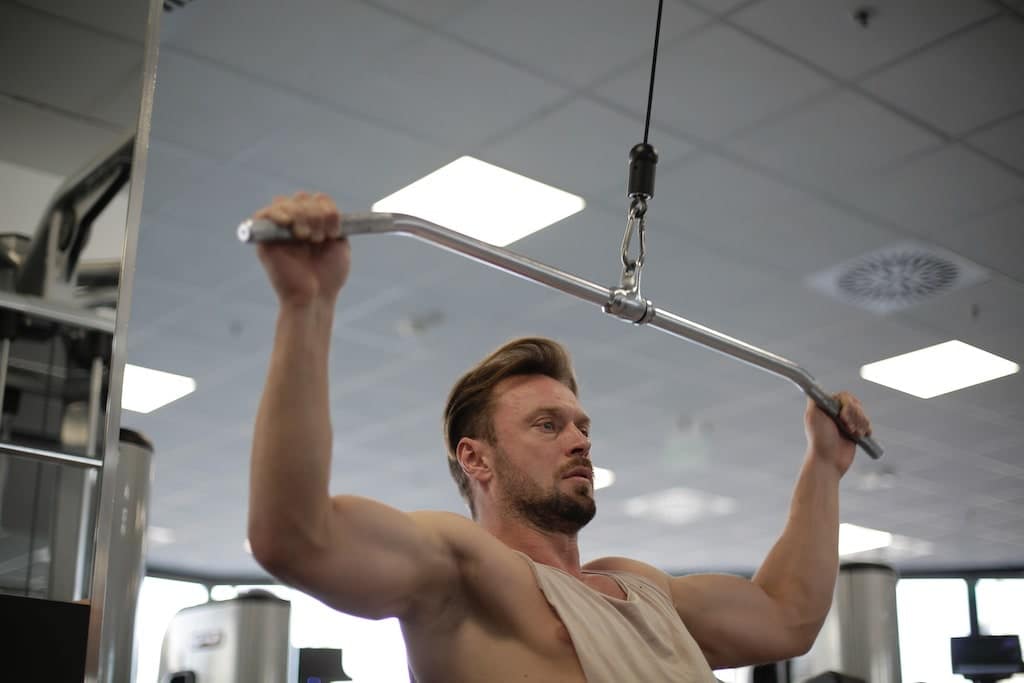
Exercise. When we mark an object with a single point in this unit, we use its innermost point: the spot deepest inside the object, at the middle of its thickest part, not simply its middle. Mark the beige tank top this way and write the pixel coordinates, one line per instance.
(640, 639)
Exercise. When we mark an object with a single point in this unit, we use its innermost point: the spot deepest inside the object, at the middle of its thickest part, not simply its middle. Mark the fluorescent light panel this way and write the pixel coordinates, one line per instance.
(938, 369)
(855, 539)
(483, 201)
(603, 478)
(144, 389)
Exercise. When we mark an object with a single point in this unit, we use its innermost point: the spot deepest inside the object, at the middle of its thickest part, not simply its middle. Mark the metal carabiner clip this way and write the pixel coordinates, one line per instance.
(632, 267)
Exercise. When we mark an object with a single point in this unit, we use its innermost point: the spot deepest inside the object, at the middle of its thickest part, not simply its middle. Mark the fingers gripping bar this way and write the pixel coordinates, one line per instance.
(613, 301)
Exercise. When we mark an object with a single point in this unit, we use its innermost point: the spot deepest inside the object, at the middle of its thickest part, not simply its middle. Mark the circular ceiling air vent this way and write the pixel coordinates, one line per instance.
(897, 277)
(902, 277)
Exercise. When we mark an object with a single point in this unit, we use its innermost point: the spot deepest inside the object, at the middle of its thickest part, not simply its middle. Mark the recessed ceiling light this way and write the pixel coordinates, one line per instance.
(144, 389)
(679, 505)
(603, 478)
(938, 369)
(483, 201)
(158, 535)
(857, 539)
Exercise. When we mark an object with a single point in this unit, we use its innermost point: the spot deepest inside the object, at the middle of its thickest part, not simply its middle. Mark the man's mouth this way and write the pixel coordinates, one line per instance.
(580, 473)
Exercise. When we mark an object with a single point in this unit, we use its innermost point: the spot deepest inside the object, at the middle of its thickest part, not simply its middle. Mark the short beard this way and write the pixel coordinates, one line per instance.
(549, 511)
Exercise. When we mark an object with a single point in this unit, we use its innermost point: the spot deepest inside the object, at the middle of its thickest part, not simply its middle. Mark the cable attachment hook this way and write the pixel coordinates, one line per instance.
(643, 159)
(636, 221)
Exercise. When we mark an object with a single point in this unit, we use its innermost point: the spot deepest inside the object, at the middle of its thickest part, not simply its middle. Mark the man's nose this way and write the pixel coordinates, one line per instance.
(580, 442)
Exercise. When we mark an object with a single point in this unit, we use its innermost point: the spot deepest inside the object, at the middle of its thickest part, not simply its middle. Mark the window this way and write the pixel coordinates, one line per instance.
(1001, 609)
(370, 650)
(159, 601)
(930, 612)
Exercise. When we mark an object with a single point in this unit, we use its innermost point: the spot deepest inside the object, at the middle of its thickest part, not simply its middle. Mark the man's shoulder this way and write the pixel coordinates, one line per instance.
(463, 536)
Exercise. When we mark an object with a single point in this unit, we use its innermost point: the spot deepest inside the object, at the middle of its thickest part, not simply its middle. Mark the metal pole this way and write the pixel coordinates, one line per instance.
(614, 301)
(5, 359)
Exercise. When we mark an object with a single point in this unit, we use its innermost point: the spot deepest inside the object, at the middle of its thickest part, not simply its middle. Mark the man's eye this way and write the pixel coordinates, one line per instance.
(547, 425)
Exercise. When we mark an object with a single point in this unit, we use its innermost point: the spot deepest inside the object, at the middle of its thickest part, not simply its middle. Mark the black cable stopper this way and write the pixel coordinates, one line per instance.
(643, 159)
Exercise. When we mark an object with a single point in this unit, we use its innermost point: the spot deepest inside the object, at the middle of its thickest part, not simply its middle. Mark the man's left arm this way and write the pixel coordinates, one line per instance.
(777, 614)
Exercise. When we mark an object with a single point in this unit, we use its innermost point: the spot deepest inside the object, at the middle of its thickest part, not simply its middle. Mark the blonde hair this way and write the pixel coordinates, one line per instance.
(469, 410)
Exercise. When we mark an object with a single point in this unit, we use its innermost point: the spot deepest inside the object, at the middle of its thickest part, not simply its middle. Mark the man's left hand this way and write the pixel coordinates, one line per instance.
(823, 435)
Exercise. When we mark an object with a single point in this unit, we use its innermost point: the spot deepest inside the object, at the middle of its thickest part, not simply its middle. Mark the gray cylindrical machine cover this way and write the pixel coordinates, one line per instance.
(860, 636)
(233, 641)
(126, 565)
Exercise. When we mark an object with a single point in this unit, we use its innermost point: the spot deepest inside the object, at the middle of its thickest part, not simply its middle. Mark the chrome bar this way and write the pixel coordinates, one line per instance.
(5, 359)
(614, 301)
(104, 663)
(52, 310)
(95, 408)
(48, 456)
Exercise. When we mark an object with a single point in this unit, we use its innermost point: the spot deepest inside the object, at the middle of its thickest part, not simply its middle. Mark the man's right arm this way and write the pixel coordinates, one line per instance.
(358, 555)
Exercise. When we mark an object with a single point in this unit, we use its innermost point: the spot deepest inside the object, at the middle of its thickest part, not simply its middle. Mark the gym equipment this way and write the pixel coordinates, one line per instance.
(624, 301)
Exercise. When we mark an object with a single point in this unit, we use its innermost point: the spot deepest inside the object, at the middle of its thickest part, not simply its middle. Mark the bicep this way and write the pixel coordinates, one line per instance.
(376, 561)
(734, 621)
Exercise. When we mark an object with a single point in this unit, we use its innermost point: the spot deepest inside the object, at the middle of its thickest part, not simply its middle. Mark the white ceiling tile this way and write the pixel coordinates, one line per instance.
(59, 63)
(934, 191)
(962, 477)
(721, 6)
(803, 237)
(577, 41)
(963, 83)
(1004, 141)
(989, 315)
(214, 199)
(942, 421)
(995, 240)
(438, 12)
(424, 85)
(833, 140)
(153, 299)
(179, 354)
(196, 256)
(314, 146)
(581, 147)
(864, 340)
(1003, 397)
(212, 111)
(715, 83)
(827, 33)
(172, 172)
(302, 46)
(708, 197)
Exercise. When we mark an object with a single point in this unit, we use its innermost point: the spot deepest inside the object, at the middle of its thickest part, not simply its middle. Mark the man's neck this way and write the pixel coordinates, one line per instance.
(553, 549)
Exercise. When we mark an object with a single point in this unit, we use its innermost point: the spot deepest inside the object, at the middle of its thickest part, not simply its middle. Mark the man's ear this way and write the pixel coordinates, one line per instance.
(474, 458)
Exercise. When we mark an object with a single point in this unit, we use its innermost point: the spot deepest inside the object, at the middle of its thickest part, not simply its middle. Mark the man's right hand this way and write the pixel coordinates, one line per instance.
(315, 266)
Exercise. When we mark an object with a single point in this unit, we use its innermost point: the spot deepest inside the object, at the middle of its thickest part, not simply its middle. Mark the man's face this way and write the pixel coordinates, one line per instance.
(542, 454)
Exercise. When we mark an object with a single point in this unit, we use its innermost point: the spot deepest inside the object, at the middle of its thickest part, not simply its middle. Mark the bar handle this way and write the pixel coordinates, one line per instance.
(831, 407)
(265, 230)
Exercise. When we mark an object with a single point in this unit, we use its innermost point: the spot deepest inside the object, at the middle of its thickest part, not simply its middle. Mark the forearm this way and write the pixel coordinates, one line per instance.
(799, 573)
(289, 498)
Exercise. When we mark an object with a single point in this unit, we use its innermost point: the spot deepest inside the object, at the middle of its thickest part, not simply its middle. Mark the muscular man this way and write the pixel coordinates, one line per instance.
(503, 597)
